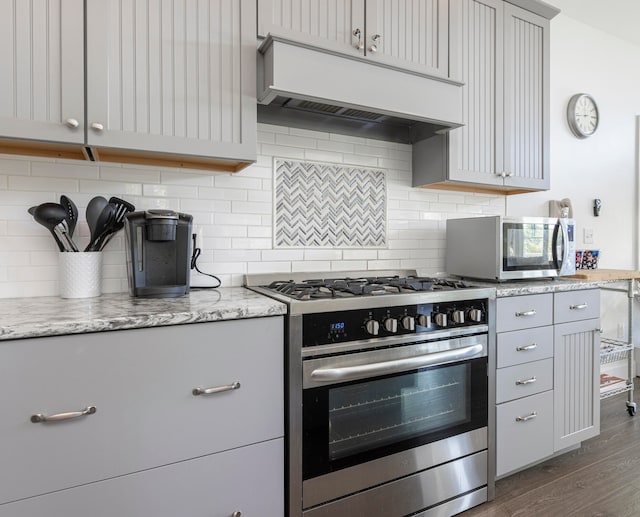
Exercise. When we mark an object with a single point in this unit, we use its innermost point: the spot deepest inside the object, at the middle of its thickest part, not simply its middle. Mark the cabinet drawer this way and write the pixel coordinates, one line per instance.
(522, 380)
(249, 480)
(522, 312)
(141, 383)
(576, 305)
(521, 437)
(524, 346)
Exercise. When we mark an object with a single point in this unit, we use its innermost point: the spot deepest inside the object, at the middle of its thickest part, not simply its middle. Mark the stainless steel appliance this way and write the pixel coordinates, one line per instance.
(158, 244)
(388, 382)
(510, 248)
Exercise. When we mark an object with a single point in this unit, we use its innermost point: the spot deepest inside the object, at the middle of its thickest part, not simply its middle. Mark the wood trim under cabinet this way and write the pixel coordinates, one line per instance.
(76, 152)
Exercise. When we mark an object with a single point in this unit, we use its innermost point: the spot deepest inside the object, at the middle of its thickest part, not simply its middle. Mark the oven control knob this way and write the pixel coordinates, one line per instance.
(391, 325)
(424, 320)
(475, 315)
(372, 327)
(457, 316)
(440, 319)
(408, 323)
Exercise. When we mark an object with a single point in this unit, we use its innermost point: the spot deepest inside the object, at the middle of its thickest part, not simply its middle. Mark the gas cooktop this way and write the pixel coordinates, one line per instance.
(363, 286)
(317, 292)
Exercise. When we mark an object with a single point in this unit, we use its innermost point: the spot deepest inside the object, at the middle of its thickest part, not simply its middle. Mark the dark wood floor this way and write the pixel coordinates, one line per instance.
(601, 478)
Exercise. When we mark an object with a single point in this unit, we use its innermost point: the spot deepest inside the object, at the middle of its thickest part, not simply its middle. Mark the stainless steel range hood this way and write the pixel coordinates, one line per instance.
(302, 86)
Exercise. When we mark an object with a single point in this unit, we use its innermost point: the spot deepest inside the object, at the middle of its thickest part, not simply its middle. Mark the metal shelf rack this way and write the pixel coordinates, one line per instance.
(612, 350)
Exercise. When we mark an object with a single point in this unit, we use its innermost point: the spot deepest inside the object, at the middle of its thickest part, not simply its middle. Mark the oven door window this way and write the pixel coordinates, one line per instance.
(351, 423)
(529, 246)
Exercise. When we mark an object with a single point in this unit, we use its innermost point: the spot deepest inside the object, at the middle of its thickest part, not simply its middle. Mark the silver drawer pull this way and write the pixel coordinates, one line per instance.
(578, 307)
(39, 417)
(236, 514)
(524, 348)
(217, 389)
(531, 312)
(526, 381)
(530, 416)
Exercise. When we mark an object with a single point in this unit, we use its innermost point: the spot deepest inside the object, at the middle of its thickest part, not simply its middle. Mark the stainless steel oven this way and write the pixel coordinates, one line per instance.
(387, 396)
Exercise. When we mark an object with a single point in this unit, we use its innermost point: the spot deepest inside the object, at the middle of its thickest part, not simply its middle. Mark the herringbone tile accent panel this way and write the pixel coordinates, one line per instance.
(329, 205)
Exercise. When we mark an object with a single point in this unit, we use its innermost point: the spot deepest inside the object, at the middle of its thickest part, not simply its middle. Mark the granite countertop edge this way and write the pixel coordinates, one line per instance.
(22, 318)
(519, 288)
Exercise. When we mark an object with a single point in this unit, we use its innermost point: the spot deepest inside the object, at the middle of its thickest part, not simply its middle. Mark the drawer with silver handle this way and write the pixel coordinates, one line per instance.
(576, 305)
(524, 346)
(524, 432)
(523, 380)
(523, 312)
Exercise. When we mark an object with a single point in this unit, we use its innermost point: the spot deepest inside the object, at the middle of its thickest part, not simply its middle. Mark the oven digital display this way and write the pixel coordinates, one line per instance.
(335, 327)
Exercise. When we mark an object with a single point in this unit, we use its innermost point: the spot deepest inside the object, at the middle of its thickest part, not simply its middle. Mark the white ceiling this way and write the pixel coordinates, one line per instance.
(617, 17)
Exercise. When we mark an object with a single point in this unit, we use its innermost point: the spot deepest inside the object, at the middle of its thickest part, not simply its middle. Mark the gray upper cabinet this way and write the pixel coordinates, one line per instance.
(526, 99)
(502, 54)
(173, 77)
(169, 83)
(42, 79)
(406, 35)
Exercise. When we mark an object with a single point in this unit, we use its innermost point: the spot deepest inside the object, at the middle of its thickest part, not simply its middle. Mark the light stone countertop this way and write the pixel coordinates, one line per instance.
(522, 287)
(51, 316)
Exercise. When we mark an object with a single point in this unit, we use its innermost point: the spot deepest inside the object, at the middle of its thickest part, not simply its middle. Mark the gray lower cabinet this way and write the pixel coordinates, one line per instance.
(547, 375)
(162, 83)
(241, 480)
(502, 54)
(406, 35)
(150, 423)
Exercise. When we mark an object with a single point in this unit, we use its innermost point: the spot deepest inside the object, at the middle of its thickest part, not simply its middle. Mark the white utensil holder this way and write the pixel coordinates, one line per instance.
(80, 274)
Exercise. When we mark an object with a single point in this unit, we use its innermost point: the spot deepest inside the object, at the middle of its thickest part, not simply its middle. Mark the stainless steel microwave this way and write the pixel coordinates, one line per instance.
(510, 248)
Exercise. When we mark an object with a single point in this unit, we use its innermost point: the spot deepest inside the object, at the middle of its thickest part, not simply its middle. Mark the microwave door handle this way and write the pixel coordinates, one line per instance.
(556, 244)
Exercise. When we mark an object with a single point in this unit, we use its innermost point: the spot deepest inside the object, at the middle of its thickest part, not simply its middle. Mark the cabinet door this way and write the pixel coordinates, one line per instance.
(173, 77)
(325, 24)
(41, 70)
(248, 480)
(413, 35)
(576, 381)
(475, 150)
(526, 98)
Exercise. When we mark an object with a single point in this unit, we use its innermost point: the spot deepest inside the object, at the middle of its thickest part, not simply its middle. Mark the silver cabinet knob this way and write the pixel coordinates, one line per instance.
(97, 126)
(374, 46)
(359, 45)
(72, 123)
(372, 327)
(236, 514)
(391, 325)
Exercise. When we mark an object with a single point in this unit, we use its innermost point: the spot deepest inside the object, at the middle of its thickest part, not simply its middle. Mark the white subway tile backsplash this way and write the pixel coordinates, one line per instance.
(349, 265)
(296, 141)
(310, 266)
(232, 212)
(322, 156)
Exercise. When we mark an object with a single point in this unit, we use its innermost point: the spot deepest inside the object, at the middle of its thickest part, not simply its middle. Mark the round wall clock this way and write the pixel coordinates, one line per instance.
(582, 115)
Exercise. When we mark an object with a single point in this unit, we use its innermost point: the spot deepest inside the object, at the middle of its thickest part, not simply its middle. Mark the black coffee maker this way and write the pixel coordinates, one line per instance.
(158, 247)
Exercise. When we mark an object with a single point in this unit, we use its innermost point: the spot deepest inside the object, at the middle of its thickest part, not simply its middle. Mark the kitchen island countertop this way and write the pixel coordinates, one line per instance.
(51, 315)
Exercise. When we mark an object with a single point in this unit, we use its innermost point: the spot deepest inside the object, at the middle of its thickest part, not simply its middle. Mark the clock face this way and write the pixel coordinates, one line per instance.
(582, 115)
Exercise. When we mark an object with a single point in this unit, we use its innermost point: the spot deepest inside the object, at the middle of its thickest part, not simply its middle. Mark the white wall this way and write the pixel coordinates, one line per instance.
(232, 212)
(584, 59)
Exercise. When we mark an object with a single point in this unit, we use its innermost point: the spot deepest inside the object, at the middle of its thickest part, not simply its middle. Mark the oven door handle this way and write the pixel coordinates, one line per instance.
(346, 373)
